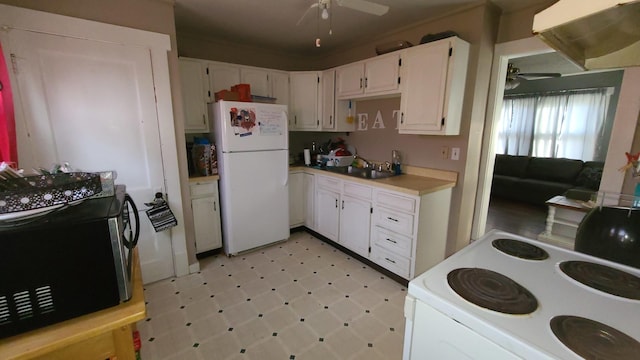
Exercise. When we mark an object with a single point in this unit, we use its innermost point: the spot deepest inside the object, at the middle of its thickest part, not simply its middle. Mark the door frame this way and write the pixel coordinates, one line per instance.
(158, 45)
(626, 118)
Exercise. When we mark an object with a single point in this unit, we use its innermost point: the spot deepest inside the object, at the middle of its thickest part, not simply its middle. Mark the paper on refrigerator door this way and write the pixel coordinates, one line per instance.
(269, 121)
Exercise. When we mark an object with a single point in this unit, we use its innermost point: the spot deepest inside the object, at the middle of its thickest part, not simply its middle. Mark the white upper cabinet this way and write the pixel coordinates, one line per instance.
(333, 111)
(328, 100)
(222, 77)
(377, 76)
(258, 79)
(195, 95)
(304, 107)
(279, 82)
(434, 76)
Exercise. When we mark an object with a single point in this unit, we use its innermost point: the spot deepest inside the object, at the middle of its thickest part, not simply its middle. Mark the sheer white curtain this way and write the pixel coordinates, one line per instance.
(515, 130)
(568, 124)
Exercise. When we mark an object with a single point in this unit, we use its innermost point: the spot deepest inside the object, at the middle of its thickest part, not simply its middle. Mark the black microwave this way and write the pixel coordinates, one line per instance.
(67, 263)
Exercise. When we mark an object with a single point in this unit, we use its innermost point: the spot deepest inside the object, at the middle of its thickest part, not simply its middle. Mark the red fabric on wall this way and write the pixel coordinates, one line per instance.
(8, 146)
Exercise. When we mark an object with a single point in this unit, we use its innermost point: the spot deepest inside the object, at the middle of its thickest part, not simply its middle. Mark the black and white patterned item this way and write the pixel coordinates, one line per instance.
(40, 191)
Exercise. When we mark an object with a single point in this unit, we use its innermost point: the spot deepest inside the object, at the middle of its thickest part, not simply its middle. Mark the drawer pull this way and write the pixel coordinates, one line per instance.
(389, 260)
(390, 240)
(392, 219)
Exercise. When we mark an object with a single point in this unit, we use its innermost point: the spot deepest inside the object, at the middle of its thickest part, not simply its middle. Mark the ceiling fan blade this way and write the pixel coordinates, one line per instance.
(364, 6)
(314, 5)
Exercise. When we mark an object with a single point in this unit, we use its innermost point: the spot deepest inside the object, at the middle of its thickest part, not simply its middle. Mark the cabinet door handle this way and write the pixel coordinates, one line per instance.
(342, 204)
(366, 82)
(390, 240)
(215, 207)
(392, 219)
(330, 119)
(336, 203)
(360, 83)
(389, 260)
(401, 118)
(204, 121)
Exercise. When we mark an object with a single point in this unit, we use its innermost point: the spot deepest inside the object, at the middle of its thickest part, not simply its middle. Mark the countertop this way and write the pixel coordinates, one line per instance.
(416, 181)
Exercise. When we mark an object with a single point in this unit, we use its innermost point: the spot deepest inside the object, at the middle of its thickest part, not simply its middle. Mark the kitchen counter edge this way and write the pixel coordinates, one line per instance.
(413, 183)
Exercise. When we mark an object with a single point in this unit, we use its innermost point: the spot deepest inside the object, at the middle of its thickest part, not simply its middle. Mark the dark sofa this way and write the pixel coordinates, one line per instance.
(535, 180)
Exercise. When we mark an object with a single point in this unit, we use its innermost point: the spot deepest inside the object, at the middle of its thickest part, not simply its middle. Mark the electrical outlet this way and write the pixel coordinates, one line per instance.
(455, 153)
(444, 152)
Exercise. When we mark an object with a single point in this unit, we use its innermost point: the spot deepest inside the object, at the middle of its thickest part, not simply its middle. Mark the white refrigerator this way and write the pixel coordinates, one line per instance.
(252, 146)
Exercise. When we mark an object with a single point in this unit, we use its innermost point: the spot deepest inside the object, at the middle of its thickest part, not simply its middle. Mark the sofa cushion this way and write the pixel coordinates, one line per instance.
(511, 165)
(554, 169)
(590, 175)
(539, 191)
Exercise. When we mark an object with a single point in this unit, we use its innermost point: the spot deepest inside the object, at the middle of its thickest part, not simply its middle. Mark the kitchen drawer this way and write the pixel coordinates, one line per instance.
(329, 183)
(203, 188)
(394, 221)
(357, 190)
(396, 201)
(391, 241)
(390, 261)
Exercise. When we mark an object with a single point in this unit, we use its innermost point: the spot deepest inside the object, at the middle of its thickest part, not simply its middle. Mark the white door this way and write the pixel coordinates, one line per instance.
(92, 104)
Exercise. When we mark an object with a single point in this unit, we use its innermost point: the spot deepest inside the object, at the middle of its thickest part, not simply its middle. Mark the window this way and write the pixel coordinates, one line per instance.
(564, 124)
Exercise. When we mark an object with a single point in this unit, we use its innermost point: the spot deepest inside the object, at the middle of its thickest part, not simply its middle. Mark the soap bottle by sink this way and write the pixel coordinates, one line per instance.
(395, 156)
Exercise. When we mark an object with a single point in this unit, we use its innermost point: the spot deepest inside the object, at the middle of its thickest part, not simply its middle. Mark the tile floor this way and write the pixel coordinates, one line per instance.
(300, 299)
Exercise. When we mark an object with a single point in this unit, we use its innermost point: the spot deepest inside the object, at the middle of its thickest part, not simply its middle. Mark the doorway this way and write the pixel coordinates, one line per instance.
(502, 55)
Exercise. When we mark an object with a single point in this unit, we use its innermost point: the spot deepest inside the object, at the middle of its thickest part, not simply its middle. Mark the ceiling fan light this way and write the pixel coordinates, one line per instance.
(325, 14)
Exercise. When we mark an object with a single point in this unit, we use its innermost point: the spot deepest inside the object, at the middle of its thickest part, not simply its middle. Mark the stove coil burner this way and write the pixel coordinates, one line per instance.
(592, 340)
(492, 290)
(520, 249)
(604, 278)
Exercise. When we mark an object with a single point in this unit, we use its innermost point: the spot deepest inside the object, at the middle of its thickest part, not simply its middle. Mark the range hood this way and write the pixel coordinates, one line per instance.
(598, 34)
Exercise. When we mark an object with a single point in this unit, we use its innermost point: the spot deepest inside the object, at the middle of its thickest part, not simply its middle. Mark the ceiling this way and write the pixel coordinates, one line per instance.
(272, 24)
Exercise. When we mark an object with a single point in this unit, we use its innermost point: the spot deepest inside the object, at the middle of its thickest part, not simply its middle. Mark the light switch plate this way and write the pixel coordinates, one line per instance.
(455, 153)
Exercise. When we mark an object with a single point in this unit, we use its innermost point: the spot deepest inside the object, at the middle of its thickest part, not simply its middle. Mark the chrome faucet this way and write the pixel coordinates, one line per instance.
(367, 164)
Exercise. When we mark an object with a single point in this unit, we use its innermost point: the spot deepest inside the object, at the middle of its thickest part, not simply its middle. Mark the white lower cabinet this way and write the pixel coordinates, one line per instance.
(406, 234)
(296, 199)
(205, 204)
(309, 193)
(355, 221)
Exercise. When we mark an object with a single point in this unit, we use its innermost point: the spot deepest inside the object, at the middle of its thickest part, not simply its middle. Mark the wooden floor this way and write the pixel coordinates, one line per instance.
(516, 217)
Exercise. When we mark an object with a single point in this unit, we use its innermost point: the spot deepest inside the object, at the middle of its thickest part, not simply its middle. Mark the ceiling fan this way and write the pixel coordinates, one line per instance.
(514, 77)
(359, 5)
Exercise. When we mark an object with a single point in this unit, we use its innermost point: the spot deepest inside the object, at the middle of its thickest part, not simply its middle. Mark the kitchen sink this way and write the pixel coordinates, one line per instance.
(359, 172)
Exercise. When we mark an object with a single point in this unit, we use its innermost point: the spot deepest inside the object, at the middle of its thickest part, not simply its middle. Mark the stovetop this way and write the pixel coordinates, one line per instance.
(528, 335)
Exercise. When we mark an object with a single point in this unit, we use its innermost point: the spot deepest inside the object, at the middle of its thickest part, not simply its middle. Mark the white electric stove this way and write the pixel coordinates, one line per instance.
(509, 297)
